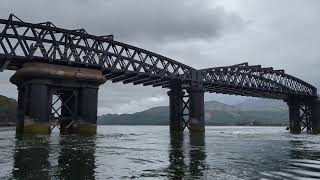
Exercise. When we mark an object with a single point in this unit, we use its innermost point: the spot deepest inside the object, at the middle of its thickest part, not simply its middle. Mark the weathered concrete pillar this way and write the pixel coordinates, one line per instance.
(294, 116)
(37, 82)
(88, 110)
(196, 113)
(33, 112)
(315, 116)
(176, 106)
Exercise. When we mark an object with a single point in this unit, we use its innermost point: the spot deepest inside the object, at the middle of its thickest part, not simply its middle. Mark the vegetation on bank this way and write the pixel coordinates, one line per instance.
(8, 111)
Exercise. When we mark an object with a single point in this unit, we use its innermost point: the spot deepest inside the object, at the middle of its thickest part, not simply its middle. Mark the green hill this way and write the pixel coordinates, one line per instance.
(8, 111)
(251, 112)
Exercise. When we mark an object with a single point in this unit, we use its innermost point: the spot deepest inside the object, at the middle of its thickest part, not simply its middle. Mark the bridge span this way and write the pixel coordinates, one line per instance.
(59, 71)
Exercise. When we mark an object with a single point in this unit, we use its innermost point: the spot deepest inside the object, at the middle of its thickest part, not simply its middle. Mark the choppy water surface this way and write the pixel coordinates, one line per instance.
(150, 152)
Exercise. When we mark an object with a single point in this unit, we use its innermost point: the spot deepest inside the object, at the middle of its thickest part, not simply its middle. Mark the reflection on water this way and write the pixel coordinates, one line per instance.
(31, 158)
(76, 160)
(179, 168)
(197, 154)
(151, 152)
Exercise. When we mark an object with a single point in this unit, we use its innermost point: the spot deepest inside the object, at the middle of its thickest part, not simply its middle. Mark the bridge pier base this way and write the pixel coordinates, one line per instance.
(196, 111)
(57, 96)
(176, 109)
(315, 116)
(294, 116)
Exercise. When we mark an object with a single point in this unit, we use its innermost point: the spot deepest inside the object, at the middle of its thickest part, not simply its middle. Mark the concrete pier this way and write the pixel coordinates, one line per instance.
(196, 113)
(33, 109)
(294, 116)
(175, 108)
(76, 88)
(88, 110)
(315, 118)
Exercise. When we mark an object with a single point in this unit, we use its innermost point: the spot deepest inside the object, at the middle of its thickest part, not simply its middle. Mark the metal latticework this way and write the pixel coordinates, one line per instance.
(185, 112)
(256, 81)
(62, 106)
(22, 42)
(305, 118)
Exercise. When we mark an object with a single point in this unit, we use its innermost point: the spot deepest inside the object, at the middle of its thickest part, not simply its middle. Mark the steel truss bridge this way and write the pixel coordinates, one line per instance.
(22, 42)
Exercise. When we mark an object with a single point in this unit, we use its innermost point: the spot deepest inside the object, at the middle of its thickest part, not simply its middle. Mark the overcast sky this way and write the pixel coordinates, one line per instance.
(200, 33)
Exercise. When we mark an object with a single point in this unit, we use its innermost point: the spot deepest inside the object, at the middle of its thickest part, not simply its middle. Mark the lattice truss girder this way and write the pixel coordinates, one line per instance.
(255, 79)
(22, 42)
(76, 47)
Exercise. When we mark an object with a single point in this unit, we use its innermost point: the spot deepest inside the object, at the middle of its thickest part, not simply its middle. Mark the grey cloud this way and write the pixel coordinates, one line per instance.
(119, 98)
(151, 20)
(282, 34)
(6, 88)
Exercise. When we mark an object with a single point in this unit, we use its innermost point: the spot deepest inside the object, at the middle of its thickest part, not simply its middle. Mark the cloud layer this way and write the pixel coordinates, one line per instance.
(282, 34)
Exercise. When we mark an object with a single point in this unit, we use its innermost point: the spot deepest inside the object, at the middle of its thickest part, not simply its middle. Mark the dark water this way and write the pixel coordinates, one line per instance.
(150, 152)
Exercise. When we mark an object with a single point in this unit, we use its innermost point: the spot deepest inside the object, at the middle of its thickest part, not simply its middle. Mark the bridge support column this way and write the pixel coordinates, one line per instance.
(88, 110)
(33, 109)
(196, 111)
(315, 117)
(74, 108)
(294, 116)
(176, 109)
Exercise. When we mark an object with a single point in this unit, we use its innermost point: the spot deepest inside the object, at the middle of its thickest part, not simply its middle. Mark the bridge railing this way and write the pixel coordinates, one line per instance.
(45, 42)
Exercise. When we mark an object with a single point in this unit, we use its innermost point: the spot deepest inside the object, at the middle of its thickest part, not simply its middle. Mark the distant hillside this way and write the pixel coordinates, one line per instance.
(8, 111)
(263, 105)
(251, 112)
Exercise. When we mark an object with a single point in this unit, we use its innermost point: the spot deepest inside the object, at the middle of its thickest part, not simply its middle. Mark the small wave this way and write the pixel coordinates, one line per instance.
(141, 161)
(297, 169)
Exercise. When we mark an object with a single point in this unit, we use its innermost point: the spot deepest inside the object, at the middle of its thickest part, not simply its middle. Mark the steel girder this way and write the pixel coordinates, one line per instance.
(22, 42)
(256, 81)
